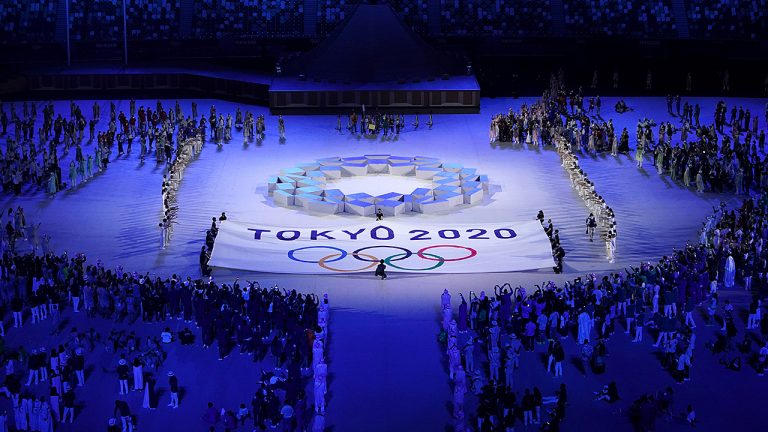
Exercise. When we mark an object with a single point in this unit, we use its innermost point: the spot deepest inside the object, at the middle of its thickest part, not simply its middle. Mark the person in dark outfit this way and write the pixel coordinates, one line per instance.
(173, 383)
(380, 270)
(204, 269)
(124, 411)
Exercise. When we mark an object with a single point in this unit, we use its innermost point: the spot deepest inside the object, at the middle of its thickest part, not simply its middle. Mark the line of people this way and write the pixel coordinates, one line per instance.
(601, 215)
(558, 253)
(186, 150)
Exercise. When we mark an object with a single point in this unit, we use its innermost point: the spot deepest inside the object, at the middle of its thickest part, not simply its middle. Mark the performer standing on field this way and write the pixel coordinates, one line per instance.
(281, 127)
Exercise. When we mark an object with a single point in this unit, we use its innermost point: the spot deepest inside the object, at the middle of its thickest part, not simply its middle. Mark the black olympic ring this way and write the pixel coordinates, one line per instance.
(406, 252)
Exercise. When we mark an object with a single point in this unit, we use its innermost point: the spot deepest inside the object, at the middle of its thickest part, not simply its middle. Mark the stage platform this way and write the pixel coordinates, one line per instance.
(454, 94)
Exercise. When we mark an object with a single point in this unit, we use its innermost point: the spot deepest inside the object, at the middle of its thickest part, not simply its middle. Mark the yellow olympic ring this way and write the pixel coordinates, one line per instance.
(321, 263)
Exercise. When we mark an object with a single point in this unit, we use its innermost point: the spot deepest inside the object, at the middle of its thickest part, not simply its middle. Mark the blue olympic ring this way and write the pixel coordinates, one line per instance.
(341, 251)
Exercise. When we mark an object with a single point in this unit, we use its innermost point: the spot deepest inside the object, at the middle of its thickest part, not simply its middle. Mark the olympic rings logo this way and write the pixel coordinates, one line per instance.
(372, 260)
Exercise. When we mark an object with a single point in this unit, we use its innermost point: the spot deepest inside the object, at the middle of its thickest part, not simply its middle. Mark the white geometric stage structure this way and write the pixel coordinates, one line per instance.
(308, 186)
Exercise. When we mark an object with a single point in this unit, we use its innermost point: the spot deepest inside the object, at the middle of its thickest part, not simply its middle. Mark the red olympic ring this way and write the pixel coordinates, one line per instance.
(421, 254)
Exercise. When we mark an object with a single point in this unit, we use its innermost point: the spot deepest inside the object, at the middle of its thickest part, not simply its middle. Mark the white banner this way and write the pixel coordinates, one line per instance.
(405, 246)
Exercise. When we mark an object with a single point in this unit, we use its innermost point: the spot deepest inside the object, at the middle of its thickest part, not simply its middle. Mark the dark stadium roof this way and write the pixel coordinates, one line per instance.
(373, 46)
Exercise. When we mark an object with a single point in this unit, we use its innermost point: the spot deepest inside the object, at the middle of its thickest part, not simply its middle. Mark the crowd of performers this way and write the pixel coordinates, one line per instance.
(286, 329)
(526, 127)
(702, 158)
(36, 160)
(484, 339)
(161, 131)
(726, 155)
(375, 123)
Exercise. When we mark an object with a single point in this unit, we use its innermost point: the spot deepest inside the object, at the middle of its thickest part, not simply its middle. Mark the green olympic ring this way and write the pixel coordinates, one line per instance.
(440, 261)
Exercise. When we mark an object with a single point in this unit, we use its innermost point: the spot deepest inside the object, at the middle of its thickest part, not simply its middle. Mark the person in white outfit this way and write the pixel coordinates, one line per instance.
(585, 326)
(729, 278)
(320, 387)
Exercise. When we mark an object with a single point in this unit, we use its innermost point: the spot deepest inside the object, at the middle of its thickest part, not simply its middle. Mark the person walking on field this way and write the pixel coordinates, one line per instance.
(591, 225)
